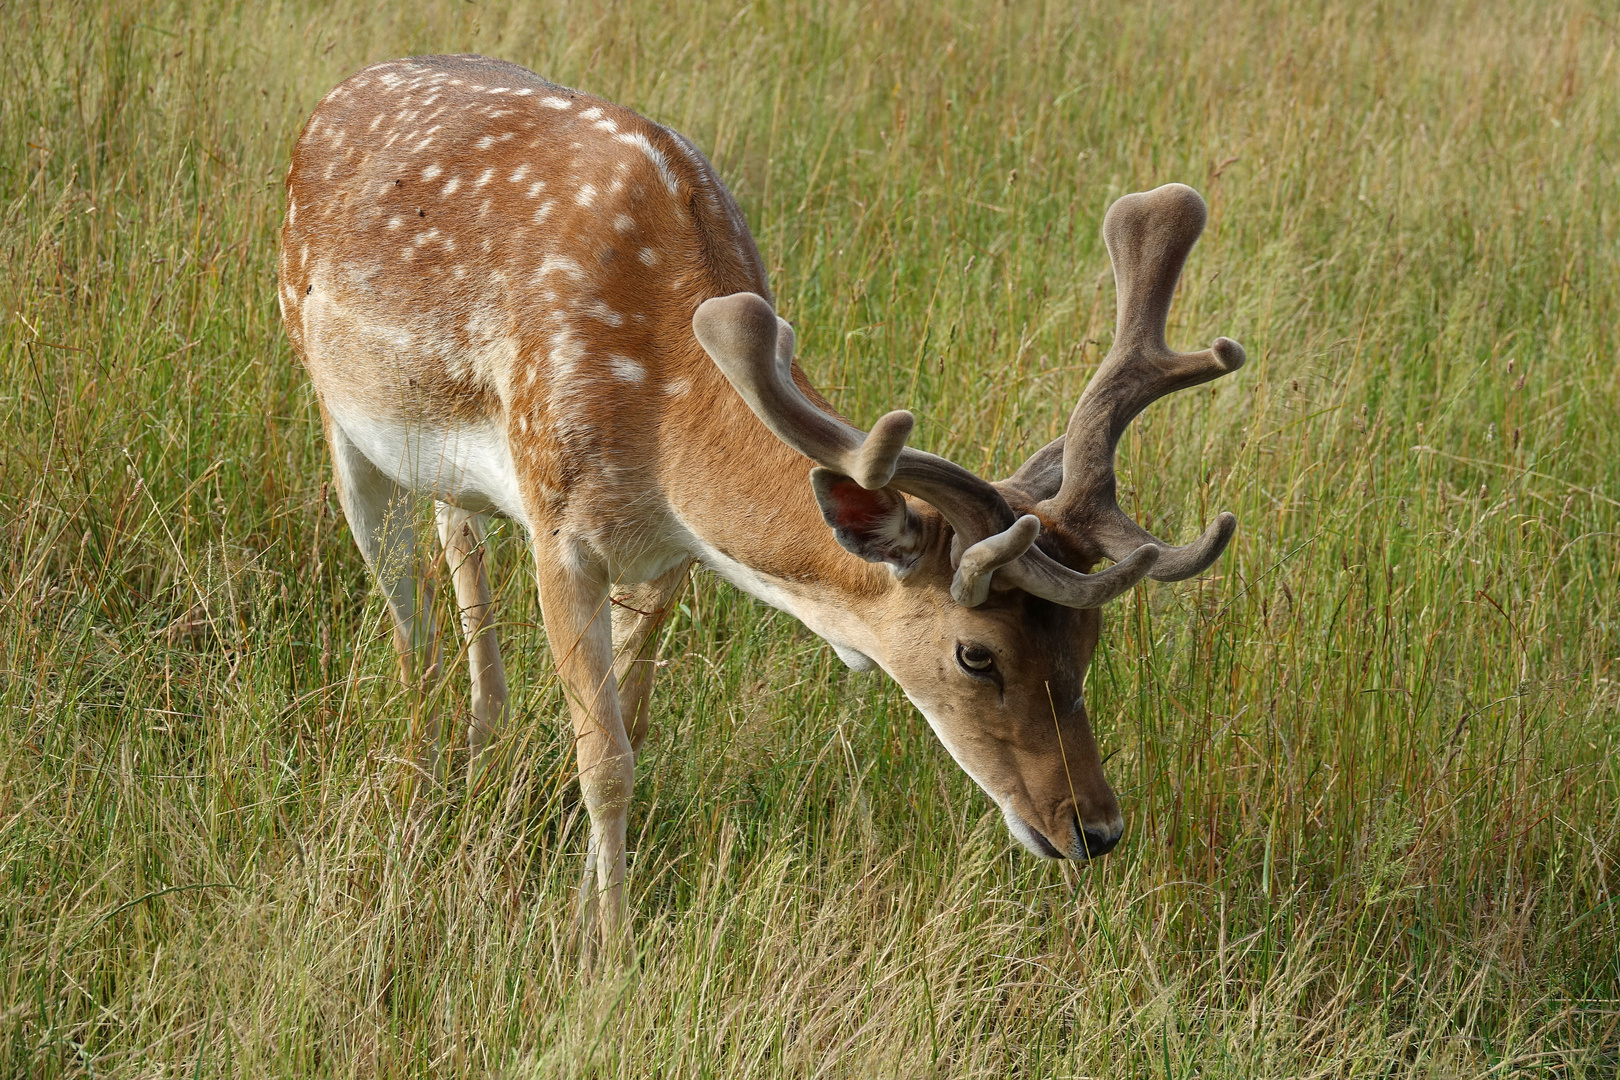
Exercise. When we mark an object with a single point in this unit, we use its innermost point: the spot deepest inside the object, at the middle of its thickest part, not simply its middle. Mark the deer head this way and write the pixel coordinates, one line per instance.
(992, 616)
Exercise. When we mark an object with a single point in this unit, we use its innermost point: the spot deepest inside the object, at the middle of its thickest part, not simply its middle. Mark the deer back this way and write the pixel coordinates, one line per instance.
(470, 246)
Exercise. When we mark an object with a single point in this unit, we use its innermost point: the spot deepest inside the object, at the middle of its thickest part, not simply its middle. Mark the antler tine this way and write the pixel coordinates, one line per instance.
(754, 349)
(1040, 575)
(1149, 235)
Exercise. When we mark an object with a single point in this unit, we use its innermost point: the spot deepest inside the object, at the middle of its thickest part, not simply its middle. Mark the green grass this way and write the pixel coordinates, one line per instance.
(1369, 766)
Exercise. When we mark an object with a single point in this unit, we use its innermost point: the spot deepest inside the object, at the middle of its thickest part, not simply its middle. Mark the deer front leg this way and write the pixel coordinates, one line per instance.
(638, 612)
(574, 605)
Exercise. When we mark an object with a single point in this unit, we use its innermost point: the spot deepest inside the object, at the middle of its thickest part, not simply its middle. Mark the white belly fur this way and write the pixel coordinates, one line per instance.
(467, 465)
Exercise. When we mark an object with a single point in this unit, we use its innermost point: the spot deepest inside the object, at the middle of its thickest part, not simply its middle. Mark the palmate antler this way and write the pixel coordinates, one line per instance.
(754, 349)
(1148, 237)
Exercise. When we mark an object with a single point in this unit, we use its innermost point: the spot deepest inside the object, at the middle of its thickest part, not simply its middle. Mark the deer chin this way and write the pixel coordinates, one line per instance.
(1033, 840)
(1088, 840)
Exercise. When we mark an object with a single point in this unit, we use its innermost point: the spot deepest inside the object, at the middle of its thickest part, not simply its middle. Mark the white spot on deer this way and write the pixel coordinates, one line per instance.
(419, 147)
(459, 272)
(518, 174)
(303, 256)
(557, 264)
(606, 125)
(586, 196)
(554, 102)
(395, 222)
(677, 387)
(407, 254)
(654, 155)
(483, 207)
(425, 237)
(292, 210)
(544, 211)
(450, 187)
(615, 187)
(485, 143)
(488, 174)
(523, 421)
(593, 113)
(375, 122)
(525, 92)
(431, 171)
(536, 187)
(602, 312)
(566, 353)
(506, 136)
(626, 369)
(624, 223)
(491, 354)
(648, 257)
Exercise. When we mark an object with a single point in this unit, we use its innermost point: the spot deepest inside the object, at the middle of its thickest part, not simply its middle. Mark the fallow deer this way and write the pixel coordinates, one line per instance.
(518, 299)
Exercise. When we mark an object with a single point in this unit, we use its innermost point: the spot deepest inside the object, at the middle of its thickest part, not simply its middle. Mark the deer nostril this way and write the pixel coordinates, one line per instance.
(1096, 842)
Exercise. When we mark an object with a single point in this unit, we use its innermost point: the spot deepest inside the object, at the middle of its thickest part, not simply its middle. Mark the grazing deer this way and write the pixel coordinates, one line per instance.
(522, 300)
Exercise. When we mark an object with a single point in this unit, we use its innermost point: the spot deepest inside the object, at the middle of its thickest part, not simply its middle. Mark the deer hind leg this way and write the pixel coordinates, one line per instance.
(462, 534)
(382, 518)
(638, 613)
(574, 605)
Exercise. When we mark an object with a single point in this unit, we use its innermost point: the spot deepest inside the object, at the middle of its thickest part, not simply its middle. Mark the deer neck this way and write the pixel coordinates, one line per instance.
(744, 497)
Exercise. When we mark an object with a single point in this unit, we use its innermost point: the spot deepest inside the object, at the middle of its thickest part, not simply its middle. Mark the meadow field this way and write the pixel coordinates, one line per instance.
(1368, 765)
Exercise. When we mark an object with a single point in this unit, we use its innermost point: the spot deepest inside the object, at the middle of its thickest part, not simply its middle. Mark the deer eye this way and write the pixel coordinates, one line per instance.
(975, 659)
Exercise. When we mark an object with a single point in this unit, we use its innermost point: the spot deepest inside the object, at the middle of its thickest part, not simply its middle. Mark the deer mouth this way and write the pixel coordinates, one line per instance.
(1090, 842)
(1033, 840)
(1045, 845)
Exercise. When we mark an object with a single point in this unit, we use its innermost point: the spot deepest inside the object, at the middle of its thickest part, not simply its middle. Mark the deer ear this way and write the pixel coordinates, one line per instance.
(877, 525)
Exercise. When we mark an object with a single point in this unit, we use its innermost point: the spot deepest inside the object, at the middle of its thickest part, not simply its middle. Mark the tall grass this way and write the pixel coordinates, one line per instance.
(1369, 767)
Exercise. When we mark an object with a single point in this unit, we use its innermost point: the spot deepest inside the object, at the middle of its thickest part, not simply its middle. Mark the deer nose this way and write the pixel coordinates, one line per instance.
(1093, 841)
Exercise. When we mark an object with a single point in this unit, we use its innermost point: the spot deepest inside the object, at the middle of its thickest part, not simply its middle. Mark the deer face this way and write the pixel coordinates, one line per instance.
(990, 632)
(1001, 685)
